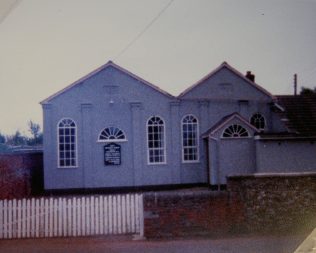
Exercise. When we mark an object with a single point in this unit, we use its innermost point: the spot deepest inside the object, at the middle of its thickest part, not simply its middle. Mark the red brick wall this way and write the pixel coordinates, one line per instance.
(184, 213)
(20, 175)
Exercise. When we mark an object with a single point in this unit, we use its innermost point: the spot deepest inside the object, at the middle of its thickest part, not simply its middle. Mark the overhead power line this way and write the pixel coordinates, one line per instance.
(143, 31)
(10, 8)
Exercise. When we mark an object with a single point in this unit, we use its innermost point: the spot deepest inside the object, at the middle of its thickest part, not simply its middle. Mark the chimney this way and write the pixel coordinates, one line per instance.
(250, 76)
(295, 84)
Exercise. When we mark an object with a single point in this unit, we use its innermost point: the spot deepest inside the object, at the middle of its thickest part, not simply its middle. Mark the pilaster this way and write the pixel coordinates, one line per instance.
(204, 117)
(50, 151)
(175, 149)
(204, 126)
(85, 157)
(137, 147)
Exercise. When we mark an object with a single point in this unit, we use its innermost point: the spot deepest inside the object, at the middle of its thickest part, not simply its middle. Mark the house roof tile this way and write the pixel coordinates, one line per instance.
(299, 115)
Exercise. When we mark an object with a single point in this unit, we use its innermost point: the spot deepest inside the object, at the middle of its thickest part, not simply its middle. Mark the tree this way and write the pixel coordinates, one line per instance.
(307, 91)
(35, 129)
(16, 139)
(2, 138)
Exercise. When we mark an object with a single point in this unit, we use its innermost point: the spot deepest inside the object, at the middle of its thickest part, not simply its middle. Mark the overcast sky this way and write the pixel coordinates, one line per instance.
(47, 44)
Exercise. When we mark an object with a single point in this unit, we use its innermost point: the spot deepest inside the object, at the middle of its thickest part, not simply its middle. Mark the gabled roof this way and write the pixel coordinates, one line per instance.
(108, 64)
(299, 114)
(224, 121)
(226, 65)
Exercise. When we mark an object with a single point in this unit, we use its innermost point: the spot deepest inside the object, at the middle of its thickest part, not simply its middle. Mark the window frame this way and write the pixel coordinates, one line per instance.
(164, 142)
(197, 140)
(238, 137)
(264, 121)
(111, 140)
(58, 145)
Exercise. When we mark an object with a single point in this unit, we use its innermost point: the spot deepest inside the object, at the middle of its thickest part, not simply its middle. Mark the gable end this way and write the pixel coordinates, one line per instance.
(108, 64)
(233, 70)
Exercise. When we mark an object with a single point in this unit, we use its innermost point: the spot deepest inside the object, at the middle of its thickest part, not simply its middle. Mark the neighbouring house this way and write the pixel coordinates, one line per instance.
(111, 128)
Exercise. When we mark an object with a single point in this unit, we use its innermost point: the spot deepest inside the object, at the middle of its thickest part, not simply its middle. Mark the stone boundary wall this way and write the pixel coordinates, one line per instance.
(21, 175)
(283, 203)
(278, 203)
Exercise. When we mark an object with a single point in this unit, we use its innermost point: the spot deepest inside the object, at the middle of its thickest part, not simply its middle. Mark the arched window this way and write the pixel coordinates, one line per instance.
(67, 143)
(190, 139)
(235, 131)
(156, 140)
(258, 121)
(110, 134)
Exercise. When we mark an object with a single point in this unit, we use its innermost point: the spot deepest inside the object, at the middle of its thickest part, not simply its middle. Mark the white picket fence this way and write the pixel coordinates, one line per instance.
(71, 216)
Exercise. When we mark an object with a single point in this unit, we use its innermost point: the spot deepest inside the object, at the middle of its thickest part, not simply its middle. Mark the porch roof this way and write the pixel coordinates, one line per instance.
(224, 121)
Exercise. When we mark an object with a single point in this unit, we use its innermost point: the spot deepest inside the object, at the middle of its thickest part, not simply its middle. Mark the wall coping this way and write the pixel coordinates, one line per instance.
(281, 174)
(284, 138)
(184, 193)
(21, 152)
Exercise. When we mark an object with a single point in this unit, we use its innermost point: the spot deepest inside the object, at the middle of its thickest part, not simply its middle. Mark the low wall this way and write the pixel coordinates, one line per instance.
(21, 175)
(251, 204)
(276, 202)
(190, 212)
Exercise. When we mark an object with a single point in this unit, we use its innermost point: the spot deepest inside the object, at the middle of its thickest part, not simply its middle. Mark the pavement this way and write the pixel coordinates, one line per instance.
(309, 244)
(122, 244)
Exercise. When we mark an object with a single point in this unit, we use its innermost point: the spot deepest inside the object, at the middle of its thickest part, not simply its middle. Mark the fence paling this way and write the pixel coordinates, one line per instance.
(1, 220)
(106, 214)
(48, 217)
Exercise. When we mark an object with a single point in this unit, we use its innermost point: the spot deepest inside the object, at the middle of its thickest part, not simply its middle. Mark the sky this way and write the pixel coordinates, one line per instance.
(46, 45)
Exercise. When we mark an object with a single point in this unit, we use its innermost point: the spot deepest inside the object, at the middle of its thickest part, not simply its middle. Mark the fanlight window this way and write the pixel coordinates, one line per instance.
(235, 131)
(67, 143)
(258, 121)
(112, 134)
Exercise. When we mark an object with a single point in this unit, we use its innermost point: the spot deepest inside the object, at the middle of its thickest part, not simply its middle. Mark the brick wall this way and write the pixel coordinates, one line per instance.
(251, 204)
(21, 175)
(190, 212)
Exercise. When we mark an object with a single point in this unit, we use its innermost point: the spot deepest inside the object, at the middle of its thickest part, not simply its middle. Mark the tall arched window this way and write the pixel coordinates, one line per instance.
(258, 121)
(67, 143)
(190, 139)
(156, 140)
(235, 131)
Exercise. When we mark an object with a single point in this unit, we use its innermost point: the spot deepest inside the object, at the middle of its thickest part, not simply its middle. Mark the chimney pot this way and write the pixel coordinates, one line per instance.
(250, 76)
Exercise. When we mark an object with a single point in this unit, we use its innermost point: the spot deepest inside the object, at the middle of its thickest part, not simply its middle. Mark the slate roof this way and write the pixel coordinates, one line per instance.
(300, 113)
